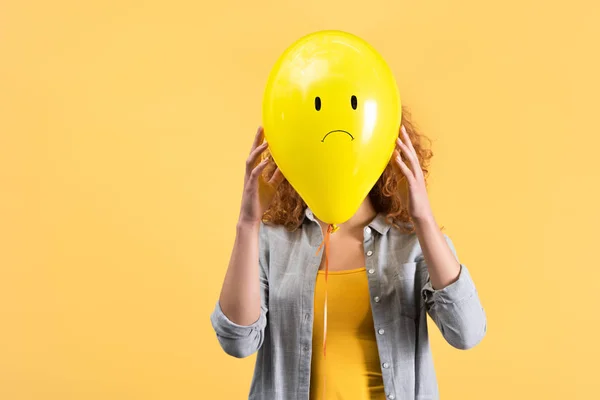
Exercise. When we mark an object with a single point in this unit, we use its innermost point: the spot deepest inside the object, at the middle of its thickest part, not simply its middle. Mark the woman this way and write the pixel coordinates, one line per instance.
(389, 266)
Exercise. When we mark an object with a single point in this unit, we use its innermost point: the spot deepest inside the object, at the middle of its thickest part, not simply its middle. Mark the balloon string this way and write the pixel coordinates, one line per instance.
(325, 243)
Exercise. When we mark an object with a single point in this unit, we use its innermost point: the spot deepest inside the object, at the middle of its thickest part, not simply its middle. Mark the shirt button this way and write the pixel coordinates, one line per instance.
(371, 271)
(381, 331)
(369, 253)
(391, 396)
(376, 298)
(386, 365)
(367, 230)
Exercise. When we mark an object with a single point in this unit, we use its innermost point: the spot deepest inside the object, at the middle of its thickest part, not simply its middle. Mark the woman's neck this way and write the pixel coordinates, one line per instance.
(363, 217)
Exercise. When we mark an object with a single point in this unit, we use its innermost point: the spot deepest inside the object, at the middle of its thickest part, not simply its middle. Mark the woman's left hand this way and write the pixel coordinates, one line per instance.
(418, 201)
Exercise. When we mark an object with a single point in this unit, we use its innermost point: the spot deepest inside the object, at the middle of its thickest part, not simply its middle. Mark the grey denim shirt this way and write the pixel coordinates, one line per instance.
(401, 296)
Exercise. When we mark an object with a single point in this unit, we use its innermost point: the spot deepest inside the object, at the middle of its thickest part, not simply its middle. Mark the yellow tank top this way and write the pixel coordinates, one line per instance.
(351, 368)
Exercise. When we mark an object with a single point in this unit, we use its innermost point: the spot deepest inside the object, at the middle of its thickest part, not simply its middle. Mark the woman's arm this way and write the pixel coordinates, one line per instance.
(240, 294)
(449, 294)
(442, 265)
(239, 318)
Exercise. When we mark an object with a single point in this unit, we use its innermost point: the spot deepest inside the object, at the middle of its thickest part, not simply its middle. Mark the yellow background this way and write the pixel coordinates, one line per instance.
(124, 126)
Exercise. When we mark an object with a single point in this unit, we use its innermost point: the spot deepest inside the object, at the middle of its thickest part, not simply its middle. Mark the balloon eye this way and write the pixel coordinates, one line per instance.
(354, 102)
(318, 103)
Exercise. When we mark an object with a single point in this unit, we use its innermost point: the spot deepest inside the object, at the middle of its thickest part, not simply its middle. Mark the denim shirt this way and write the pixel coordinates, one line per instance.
(401, 297)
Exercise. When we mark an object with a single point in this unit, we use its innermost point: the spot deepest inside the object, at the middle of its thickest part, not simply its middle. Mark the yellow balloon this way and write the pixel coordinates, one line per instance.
(331, 114)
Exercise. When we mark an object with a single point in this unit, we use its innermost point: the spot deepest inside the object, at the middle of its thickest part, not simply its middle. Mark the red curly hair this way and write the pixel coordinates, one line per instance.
(388, 195)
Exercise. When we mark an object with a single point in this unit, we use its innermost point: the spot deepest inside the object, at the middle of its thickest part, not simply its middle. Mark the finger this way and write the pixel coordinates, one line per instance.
(407, 139)
(257, 171)
(254, 156)
(403, 149)
(395, 155)
(277, 178)
(258, 138)
(405, 170)
(410, 155)
(398, 142)
(418, 170)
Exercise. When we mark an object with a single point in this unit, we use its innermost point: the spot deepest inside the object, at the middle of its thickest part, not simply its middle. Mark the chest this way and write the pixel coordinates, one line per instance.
(346, 252)
(392, 274)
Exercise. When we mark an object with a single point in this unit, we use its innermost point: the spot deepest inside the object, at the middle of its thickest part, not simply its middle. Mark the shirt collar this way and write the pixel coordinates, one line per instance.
(379, 223)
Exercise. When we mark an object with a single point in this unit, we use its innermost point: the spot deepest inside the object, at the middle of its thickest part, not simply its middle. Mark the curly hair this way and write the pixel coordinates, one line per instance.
(388, 196)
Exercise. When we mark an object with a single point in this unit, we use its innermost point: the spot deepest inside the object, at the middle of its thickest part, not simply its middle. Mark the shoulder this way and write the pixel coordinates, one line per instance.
(401, 235)
(407, 243)
(273, 234)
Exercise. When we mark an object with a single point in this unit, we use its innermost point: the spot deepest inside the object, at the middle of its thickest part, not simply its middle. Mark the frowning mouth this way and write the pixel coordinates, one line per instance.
(338, 130)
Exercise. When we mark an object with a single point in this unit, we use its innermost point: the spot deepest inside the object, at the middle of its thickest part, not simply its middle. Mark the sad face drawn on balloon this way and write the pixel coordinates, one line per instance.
(331, 114)
(354, 104)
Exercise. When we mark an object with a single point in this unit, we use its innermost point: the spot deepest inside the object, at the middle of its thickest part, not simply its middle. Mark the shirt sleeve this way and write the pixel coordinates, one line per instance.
(456, 308)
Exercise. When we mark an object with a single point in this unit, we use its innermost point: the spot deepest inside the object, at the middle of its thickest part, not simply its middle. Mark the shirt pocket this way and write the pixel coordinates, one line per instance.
(406, 289)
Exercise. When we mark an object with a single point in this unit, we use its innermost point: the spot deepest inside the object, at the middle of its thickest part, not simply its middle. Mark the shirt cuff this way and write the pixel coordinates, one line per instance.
(224, 327)
(455, 292)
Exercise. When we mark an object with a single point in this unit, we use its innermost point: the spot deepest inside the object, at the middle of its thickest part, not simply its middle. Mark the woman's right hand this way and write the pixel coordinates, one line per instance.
(258, 191)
